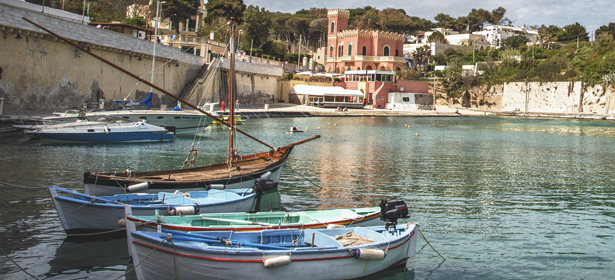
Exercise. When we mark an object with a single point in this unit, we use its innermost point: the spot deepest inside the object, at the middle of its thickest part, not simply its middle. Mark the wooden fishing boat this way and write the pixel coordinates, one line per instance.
(261, 220)
(243, 174)
(236, 172)
(84, 213)
(102, 129)
(340, 253)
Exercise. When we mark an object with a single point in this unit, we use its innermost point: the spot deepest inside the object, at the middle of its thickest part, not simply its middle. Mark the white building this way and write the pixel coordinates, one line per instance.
(409, 101)
(497, 34)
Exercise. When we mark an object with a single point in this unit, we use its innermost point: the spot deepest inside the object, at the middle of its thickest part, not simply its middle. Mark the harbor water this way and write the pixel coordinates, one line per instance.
(498, 197)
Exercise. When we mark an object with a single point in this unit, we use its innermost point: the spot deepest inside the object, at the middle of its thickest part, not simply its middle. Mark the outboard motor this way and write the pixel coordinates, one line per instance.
(261, 185)
(390, 211)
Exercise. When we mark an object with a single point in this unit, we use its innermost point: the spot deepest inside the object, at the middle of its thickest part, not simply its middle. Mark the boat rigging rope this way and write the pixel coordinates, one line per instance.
(18, 266)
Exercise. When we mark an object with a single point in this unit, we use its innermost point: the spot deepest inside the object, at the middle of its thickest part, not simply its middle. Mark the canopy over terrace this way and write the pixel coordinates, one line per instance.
(329, 97)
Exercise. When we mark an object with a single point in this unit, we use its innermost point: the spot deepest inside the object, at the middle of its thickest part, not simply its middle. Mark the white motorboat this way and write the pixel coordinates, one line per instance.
(103, 129)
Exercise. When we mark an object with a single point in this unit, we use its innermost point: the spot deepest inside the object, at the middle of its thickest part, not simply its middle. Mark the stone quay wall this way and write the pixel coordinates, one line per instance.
(41, 72)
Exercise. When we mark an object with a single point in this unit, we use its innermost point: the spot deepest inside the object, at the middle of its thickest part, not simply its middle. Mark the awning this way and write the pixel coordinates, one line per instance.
(324, 91)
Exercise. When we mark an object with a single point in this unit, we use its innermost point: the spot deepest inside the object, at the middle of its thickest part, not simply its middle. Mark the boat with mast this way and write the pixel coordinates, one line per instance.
(236, 172)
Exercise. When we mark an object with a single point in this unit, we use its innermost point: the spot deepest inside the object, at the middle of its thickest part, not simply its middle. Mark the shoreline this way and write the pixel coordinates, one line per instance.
(294, 110)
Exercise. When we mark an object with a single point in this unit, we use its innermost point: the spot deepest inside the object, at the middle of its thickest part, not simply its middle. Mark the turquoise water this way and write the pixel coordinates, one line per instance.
(498, 197)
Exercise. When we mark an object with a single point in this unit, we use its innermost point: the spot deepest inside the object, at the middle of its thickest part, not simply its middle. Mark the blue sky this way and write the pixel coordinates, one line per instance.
(590, 14)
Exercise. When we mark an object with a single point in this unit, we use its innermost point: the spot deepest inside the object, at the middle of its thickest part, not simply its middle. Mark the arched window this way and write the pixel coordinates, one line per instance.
(386, 51)
(364, 50)
(349, 49)
(331, 51)
(340, 50)
(332, 27)
(396, 52)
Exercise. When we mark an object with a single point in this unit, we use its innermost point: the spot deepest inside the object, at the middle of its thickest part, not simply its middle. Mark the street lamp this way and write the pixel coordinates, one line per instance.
(155, 41)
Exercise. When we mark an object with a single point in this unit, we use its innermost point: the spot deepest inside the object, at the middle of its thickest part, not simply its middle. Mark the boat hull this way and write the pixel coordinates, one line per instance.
(163, 180)
(119, 137)
(79, 216)
(360, 217)
(161, 260)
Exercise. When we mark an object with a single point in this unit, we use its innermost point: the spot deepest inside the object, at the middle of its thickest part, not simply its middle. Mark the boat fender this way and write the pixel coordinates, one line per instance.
(277, 261)
(216, 187)
(368, 254)
(330, 226)
(121, 222)
(138, 187)
(182, 210)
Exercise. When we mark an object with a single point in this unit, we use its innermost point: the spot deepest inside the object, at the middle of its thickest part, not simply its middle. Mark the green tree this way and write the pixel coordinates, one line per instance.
(497, 16)
(136, 21)
(548, 36)
(452, 82)
(516, 41)
(575, 31)
(421, 56)
(437, 37)
(179, 11)
(298, 26)
(478, 18)
(445, 21)
(256, 25)
(224, 9)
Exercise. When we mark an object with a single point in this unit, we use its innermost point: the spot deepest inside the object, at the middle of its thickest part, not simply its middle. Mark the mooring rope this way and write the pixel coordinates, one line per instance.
(291, 169)
(95, 233)
(24, 187)
(423, 236)
(20, 268)
(150, 253)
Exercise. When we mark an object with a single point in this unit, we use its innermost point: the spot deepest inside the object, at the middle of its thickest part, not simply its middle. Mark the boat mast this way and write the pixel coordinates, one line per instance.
(232, 153)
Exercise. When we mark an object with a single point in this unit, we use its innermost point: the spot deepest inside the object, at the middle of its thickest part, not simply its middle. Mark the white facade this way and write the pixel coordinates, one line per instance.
(422, 36)
(408, 101)
(497, 34)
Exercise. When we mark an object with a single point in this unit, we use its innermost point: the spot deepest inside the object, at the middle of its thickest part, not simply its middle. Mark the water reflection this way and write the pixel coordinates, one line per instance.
(76, 257)
(500, 197)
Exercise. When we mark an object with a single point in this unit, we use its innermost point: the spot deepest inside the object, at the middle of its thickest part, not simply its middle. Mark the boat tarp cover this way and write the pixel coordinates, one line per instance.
(325, 91)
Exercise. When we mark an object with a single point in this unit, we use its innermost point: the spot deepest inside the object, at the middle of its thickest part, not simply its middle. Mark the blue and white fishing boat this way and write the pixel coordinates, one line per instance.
(81, 213)
(103, 129)
(337, 253)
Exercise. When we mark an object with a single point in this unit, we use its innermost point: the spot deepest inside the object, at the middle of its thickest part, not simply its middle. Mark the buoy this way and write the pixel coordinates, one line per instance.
(182, 210)
(277, 261)
(368, 254)
(405, 124)
(306, 128)
(330, 226)
(138, 187)
(417, 134)
(121, 222)
(334, 124)
(328, 123)
(319, 127)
